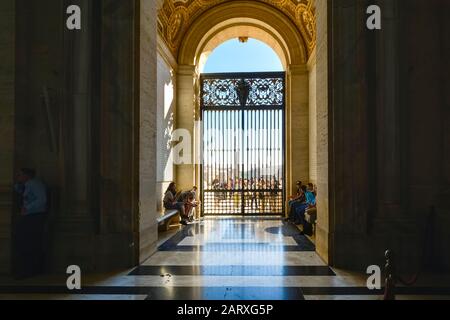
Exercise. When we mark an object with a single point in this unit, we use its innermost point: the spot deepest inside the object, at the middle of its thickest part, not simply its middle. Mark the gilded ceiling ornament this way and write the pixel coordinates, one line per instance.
(308, 23)
(176, 16)
(175, 25)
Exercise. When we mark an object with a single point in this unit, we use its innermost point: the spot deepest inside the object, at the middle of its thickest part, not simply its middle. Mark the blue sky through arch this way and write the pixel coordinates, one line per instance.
(234, 56)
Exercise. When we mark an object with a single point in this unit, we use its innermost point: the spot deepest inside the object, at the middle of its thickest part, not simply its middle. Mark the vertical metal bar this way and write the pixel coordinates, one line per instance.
(253, 175)
(220, 156)
(217, 155)
(208, 182)
(221, 164)
(213, 159)
(237, 157)
(211, 162)
(275, 198)
(243, 160)
(262, 164)
(277, 150)
(279, 155)
(248, 210)
(270, 144)
(259, 119)
(233, 149)
(207, 165)
(222, 133)
(225, 134)
(202, 166)
(266, 116)
(218, 159)
(284, 142)
(249, 164)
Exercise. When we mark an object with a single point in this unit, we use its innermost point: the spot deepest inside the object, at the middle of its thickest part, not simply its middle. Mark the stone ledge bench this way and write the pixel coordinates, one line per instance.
(311, 218)
(167, 218)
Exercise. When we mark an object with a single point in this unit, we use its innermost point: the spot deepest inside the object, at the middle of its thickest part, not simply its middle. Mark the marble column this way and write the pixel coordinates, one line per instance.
(7, 116)
(185, 120)
(312, 75)
(147, 78)
(323, 232)
(389, 114)
(443, 241)
(74, 223)
(382, 166)
(76, 116)
(120, 114)
(297, 115)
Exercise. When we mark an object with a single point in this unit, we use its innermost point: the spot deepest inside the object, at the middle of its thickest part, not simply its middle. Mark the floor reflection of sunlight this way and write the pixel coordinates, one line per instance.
(246, 250)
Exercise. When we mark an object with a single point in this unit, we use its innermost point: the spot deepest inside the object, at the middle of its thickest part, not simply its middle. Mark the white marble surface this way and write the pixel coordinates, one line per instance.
(245, 258)
(227, 232)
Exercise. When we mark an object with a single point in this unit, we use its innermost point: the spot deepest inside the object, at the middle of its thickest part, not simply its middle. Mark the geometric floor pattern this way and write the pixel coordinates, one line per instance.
(224, 259)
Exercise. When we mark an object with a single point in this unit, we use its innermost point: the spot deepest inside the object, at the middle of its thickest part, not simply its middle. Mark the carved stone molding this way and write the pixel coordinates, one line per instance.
(176, 16)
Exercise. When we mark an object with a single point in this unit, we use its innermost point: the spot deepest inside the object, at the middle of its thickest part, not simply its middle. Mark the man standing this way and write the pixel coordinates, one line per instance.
(30, 228)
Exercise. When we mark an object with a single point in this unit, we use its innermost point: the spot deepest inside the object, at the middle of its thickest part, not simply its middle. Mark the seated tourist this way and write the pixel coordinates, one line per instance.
(300, 209)
(298, 198)
(312, 188)
(298, 195)
(171, 203)
(299, 205)
(194, 192)
(188, 198)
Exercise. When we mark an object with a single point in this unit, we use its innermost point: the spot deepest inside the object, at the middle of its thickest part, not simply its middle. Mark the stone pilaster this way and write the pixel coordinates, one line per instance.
(74, 222)
(382, 167)
(312, 75)
(389, 114)
(297, 113)
(185, 119)
(323, 231)
(147, 109)
(7, 116)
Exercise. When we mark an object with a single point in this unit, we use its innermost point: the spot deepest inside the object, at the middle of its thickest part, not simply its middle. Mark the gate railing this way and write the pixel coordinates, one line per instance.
(243, 146)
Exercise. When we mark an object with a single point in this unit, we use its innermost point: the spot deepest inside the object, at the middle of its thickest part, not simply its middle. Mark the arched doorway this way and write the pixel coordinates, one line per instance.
(264, 23)
(242, 103)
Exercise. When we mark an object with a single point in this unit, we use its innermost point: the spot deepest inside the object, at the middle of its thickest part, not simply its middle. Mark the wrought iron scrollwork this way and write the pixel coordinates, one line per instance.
(250, 92)
(220, 92)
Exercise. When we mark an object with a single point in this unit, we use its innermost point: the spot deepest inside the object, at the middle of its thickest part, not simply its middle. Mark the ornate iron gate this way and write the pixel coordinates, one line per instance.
(243, 144)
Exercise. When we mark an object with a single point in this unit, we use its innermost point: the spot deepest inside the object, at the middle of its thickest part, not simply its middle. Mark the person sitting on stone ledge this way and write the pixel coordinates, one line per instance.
(300, 209)
(190, 203)
(312, 188)
(298, 198)
(171, 203)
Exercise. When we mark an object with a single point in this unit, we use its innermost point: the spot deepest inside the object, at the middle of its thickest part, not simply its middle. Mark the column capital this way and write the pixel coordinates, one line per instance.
(312, 61)
(297, 69)
(186, 70)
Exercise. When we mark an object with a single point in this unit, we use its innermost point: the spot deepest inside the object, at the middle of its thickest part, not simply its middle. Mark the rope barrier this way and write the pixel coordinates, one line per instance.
(391, 273)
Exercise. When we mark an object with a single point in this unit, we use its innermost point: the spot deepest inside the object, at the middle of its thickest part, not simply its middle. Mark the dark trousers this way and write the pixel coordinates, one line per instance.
(29, 252)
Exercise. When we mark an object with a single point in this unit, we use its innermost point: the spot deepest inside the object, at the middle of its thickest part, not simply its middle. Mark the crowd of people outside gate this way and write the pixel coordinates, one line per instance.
(258, 193)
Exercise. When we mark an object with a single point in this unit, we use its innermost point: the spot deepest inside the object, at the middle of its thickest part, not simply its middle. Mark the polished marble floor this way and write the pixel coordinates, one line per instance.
(225, 259)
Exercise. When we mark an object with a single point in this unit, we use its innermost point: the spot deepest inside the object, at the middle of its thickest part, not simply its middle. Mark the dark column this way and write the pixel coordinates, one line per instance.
(7, 119)
(385, 130)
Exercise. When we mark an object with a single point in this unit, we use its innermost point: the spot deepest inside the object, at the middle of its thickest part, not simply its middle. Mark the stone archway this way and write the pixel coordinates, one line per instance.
(260, 21)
